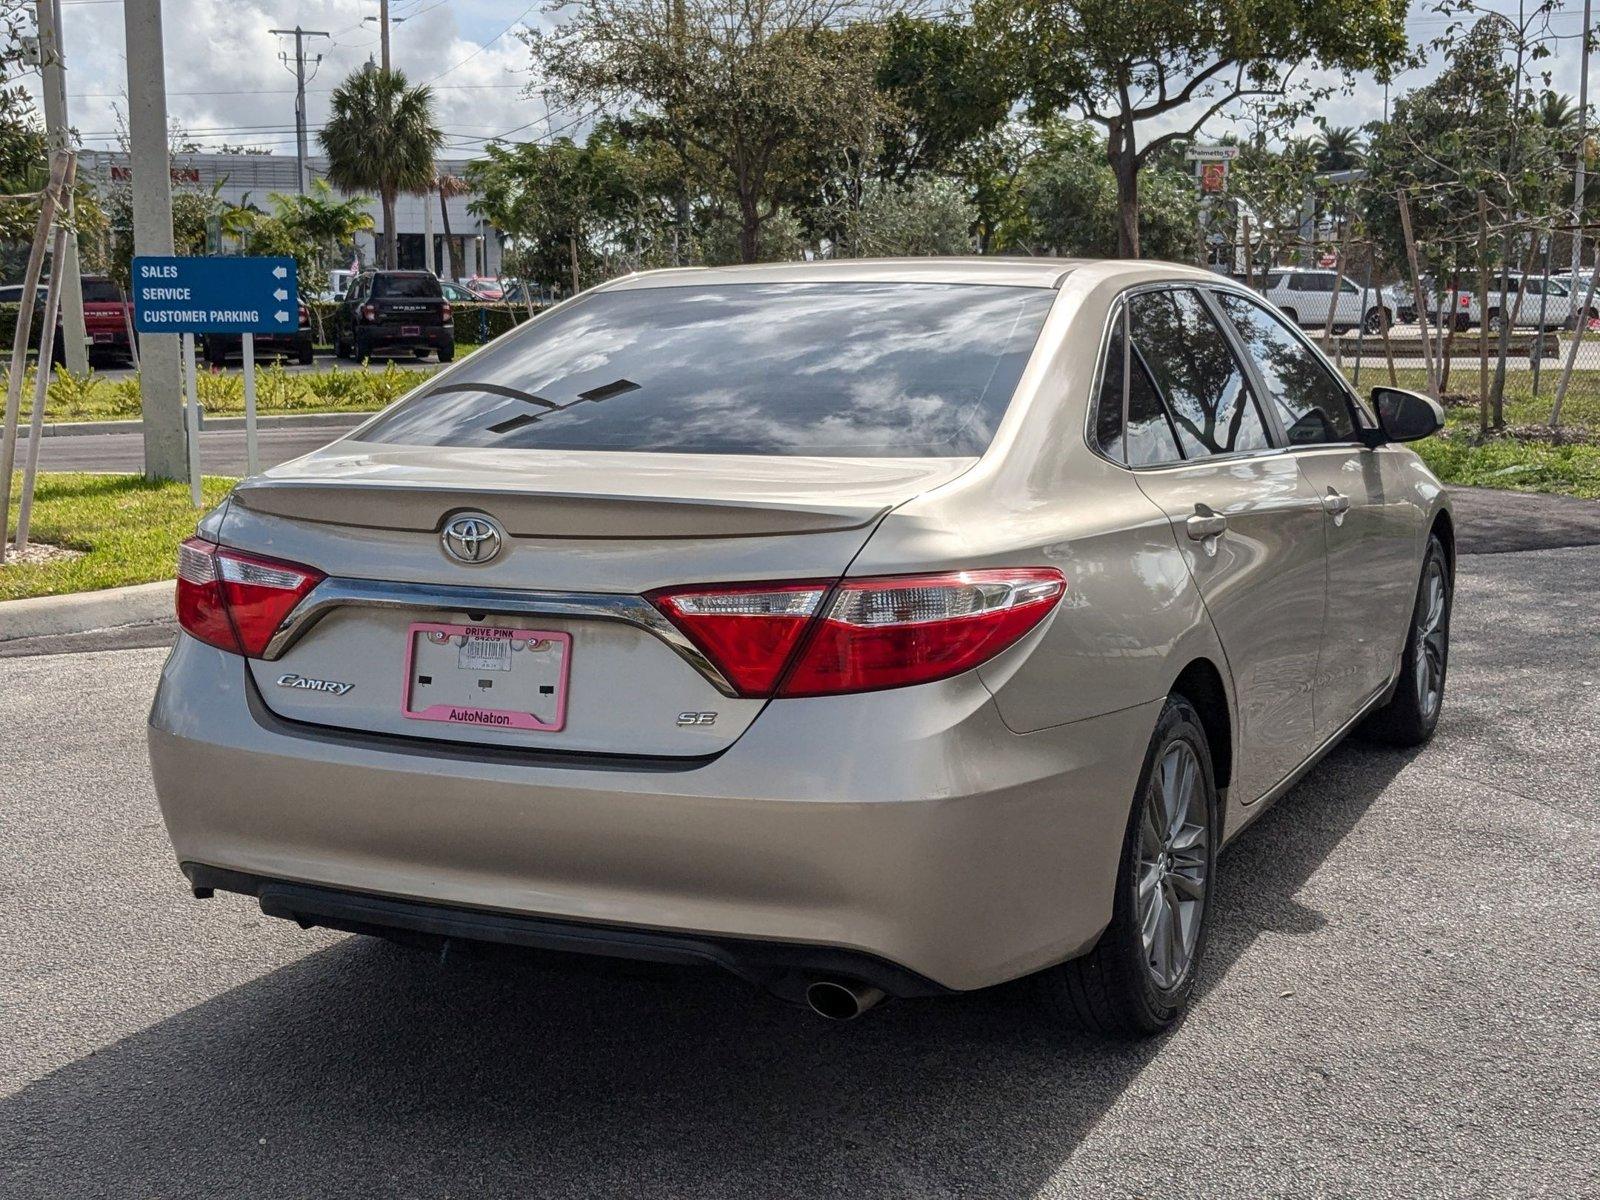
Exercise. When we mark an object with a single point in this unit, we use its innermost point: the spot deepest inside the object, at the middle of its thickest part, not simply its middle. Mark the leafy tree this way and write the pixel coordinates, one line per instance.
(1071, 197)
(1179, 63)
(949, 91)
(925, 216)
(577, 211)
(744, 91)
(322, 220)
(273, 236)
(381, 137)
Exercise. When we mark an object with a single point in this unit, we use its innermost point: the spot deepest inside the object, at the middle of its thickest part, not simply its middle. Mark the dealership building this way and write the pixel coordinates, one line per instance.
(253, 178)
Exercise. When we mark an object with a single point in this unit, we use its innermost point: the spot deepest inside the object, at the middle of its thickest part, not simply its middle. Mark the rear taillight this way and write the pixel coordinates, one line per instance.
(237, 601)
(369, 312)
(749, 632)
(444, 313)
(1466, 302)
(305, 316)
(805, 639)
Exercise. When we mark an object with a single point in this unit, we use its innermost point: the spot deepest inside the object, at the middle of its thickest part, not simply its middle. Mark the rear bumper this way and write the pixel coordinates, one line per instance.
(784, 967)
(395, 335)
(908, 828)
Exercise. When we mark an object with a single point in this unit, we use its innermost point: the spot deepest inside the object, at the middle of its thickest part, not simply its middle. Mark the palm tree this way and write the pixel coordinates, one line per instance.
(380, 136)
(323, 219)
(1558, 113)
(1338, 148)
(450, 186)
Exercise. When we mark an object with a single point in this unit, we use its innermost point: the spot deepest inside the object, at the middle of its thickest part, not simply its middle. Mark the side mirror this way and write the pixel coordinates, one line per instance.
(1406, 416)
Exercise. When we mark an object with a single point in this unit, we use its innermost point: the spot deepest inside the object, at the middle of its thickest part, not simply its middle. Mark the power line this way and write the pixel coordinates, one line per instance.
(514, 23)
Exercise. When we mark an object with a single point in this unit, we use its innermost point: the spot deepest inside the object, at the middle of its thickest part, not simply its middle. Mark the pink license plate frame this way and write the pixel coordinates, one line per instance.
(481, 717)
(411, 331)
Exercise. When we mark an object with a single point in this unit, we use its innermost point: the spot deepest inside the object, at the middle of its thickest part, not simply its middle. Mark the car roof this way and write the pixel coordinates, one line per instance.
(1013, 272)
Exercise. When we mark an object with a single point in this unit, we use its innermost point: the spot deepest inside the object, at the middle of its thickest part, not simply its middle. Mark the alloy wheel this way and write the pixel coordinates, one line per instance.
(1431, 640)
(1174, 861)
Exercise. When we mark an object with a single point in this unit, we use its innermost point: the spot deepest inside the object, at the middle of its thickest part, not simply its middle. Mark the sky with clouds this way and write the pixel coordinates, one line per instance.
(226, 81)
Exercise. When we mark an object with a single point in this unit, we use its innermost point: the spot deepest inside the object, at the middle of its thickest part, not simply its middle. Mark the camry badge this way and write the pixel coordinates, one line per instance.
(291, 680)
(472, 538)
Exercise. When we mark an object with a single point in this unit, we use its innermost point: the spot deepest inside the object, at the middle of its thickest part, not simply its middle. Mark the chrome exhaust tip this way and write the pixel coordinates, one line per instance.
(841, 999)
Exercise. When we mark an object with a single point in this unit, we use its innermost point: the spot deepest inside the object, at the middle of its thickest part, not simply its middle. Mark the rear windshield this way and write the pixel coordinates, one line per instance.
(856, 370)
(412, 287)
(100, 291)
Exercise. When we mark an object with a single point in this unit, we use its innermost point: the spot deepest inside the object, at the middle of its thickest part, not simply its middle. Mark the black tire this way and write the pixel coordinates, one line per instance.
(305, 354)
(1376, 320)
(363, 349)
(215, 355)
(1113, 990)
(1408, 719)
(420, 352)
(447, 352)
(341, 348)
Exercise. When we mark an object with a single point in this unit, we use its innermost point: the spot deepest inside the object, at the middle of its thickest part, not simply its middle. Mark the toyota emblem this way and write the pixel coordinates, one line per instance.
(472, 538)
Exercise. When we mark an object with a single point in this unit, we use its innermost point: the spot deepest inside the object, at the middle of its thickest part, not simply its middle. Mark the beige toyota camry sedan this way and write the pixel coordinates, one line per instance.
(869, 629)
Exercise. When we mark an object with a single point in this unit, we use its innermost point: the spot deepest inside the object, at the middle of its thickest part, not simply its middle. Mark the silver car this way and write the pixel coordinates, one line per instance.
(866, 628)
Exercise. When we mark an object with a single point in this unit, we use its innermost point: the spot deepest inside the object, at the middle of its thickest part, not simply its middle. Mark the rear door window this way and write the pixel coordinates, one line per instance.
(1313, 406)
(1132, 423)
(1194, 368)
(100, 291)
(854, 370)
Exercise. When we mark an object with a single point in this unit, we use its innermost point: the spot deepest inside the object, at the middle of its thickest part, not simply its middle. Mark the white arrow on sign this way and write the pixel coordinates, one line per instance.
(281, 315)
(280, 295)
(280, 272)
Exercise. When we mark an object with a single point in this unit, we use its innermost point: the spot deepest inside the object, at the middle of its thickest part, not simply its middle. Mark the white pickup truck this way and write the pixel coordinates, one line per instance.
(1546, 303)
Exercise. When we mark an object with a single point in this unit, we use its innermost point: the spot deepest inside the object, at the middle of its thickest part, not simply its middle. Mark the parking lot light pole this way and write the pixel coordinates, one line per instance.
(160, 388)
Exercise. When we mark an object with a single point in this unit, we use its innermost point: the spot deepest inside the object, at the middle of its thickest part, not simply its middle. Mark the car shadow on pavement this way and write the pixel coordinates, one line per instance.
(365, 1069)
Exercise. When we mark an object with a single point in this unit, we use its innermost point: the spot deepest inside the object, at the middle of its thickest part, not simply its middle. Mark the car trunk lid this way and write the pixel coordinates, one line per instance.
(586, 535)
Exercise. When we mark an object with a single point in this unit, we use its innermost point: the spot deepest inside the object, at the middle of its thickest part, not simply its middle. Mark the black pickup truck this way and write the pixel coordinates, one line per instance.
(394, 312)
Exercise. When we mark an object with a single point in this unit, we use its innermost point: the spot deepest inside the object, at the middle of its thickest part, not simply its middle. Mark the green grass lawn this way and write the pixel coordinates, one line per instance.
(128, 527)
(1515, 460)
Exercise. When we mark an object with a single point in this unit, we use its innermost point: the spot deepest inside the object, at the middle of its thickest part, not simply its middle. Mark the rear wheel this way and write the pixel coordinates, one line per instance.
(1412, 714)
(363, 349)
(216, 356)
(1377, 320)
(1138, 978)
(447, 352)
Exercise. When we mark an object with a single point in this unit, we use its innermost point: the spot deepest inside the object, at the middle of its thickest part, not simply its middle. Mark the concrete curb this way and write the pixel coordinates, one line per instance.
(49, 616)
(339, 420)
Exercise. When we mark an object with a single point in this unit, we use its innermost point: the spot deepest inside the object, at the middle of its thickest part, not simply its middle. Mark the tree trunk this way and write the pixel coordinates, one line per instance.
(449, 239)
(749, 229)
(1125, 166)
(391, 243)
(572, 246)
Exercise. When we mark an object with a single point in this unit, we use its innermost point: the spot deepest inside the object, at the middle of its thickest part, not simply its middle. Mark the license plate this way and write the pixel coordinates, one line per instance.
(102, 337)
(411, 331)
(494, 677)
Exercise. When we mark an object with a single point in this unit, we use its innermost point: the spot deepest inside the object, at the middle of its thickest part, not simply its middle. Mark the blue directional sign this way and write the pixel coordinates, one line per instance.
(215, 295)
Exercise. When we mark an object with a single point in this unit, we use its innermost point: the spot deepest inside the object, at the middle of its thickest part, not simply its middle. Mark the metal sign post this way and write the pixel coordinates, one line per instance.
(247, 343)
(245, 296)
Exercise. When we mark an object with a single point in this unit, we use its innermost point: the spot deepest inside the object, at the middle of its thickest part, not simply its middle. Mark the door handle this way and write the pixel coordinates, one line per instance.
(1336, 504)
(1205, 523)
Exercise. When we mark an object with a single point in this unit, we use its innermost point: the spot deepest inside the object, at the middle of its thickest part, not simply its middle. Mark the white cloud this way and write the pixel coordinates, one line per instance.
(226, 81)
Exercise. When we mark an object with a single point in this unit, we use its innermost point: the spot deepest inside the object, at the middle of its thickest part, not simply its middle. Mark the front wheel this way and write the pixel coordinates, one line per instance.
(1138, 978)
(1412, 714)
(1377, 320)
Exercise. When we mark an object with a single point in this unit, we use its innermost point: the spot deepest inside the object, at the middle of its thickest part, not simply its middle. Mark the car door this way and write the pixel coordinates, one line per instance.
(1247, 522)
(1370, 535)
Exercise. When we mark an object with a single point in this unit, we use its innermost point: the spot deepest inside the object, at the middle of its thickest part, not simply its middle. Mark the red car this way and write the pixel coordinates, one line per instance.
(107, 318)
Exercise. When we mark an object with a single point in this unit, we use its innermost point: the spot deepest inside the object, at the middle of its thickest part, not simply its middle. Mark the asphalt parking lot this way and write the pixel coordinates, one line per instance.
(1399, 999)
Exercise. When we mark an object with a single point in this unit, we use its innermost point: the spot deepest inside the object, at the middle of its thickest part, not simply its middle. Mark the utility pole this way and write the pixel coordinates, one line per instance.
(160, 390)
(299, 68)
(68, 281)
(1583, 137)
